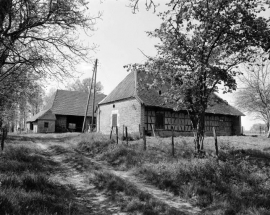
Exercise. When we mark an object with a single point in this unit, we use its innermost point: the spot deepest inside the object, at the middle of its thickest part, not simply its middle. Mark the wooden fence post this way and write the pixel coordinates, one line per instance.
(117, 134)
(127, 135)
(111, 133)
(172, 141)
(216, 143)
(144, 139)
(153, 130)
(123, 132)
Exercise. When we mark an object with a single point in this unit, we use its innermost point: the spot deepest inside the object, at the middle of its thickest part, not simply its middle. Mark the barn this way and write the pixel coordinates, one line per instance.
(132, 106)
(43, 122)
(68, 110)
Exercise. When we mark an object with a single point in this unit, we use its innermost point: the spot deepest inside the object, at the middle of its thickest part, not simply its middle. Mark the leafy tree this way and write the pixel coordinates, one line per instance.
(202, 43)
(15, 94)
(254, 98)
(48, 98)
(84, 85)
(258, 127)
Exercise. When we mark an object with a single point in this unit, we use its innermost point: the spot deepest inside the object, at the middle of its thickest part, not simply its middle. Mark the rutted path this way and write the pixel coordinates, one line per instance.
(89, 199)
(165, 197)
(94, 201)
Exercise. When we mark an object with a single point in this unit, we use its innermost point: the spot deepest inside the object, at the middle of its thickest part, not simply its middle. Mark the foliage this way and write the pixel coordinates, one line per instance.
(39, 39)
(202, 43)
(48, 98)
(258, 127)
(84, 85)
(18, 99)
(255, 95)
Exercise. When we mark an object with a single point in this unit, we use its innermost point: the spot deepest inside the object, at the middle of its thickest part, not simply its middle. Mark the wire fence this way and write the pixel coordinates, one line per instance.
(258, 133)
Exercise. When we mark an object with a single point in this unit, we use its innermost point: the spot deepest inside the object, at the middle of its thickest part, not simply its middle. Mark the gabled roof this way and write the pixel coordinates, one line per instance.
(74, 102)
(124, 90)
(150, 97)
(45, 114)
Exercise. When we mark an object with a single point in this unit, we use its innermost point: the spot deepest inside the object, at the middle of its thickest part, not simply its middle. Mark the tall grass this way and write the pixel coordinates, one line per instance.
(25, 186)
(238, 184)
(134, 200)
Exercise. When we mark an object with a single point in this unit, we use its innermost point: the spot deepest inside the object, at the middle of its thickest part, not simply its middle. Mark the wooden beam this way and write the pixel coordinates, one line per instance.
(88, 100)
(94, 98)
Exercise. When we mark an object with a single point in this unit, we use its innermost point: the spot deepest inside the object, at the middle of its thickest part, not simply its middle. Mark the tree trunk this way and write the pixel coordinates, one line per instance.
(198, 130)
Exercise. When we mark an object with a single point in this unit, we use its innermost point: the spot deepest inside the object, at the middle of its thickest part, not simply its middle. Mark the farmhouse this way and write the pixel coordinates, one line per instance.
(68, 110)
(43, 122)
(130, 105)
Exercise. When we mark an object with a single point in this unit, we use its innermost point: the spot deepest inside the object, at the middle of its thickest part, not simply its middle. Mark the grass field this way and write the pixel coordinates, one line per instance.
(239, 183)
(25, 186)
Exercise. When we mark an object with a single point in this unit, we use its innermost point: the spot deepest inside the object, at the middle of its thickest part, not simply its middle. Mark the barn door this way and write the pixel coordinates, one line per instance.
(114, 120)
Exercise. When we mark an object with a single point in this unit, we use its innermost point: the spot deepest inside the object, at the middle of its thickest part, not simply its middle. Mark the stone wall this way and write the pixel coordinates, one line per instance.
(129, 113)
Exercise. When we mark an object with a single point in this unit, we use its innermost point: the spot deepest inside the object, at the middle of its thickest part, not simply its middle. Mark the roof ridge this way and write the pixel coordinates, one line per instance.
(54, 98)
(123, 90)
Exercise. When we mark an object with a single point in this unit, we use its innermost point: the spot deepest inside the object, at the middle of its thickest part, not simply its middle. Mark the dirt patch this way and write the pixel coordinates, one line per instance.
(71, 173)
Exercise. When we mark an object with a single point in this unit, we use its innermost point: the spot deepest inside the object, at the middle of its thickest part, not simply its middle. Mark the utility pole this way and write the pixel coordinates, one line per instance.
(89, 96)
(93, 109)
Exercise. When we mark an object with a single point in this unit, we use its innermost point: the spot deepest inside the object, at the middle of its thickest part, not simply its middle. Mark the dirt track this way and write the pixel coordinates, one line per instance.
(76, 173)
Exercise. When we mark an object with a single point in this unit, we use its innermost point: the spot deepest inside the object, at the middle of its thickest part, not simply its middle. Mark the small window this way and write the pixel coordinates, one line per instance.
(71, 125)
(160, 120)
(114, 120)
(46, 125)
(159, 92)
(113, 106)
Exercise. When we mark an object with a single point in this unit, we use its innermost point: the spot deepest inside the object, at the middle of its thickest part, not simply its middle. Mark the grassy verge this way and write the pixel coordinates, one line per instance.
(238, 184)
(25, 184)
(128, 197)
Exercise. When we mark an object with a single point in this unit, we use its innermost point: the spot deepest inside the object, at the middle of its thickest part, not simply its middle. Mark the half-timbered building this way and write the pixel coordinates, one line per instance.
(132, 106)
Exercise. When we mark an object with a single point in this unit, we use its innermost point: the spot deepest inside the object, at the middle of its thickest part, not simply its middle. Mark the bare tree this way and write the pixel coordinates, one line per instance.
(149, 4)
(42, 34)
(39, 38)
(254, 98)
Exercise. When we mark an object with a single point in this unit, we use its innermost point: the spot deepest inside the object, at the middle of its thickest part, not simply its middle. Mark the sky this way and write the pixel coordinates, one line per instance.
(121, 38)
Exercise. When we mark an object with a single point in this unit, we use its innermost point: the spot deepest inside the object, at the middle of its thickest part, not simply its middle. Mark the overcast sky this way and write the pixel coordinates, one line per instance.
(121, 35)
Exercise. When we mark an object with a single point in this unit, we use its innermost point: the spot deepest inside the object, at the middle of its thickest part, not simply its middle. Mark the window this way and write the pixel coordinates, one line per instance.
(160, 120)
(46, 125)
(71, 125)
(159, 92)
(114, 120)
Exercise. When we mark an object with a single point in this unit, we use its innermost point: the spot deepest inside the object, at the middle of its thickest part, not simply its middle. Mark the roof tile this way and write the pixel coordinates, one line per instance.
(74, 102)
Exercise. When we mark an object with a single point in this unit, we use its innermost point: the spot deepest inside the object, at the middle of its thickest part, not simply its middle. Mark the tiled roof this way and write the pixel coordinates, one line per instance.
(74, 102)
(150, 97)
(45, 114)
(125, 89)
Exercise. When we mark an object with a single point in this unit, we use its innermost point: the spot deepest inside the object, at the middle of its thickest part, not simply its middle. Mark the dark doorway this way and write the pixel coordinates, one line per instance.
(160, 120)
